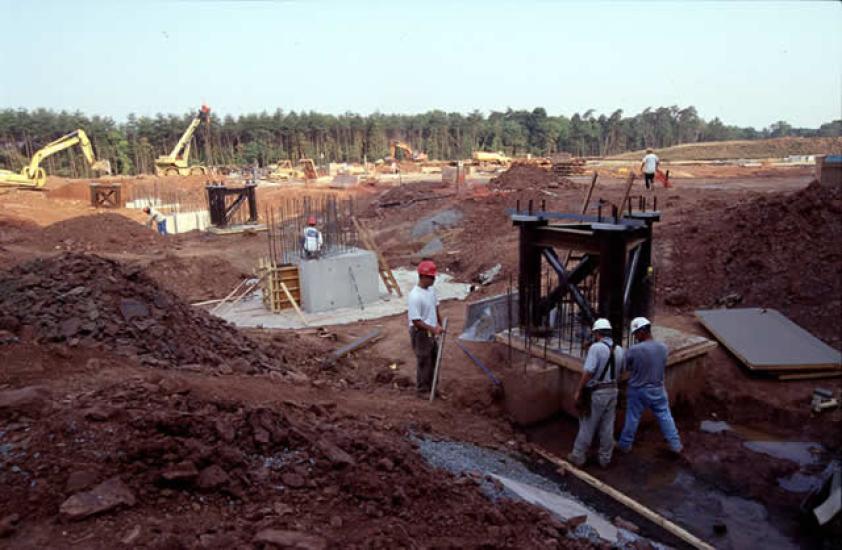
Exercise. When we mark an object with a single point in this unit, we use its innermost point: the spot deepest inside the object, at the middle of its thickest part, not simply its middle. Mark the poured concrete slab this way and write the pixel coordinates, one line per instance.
(250, 312)
(764, 339)
(562, 506)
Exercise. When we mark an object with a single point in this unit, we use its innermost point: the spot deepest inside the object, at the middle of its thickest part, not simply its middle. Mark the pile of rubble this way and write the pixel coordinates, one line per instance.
(106, 232)
(146, 462)
(86, 300)
(522, 177)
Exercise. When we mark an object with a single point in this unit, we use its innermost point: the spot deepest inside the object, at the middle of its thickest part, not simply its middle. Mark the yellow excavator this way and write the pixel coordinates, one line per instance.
(407, 154)
(32, 175)
(177, 162)
(284, 170)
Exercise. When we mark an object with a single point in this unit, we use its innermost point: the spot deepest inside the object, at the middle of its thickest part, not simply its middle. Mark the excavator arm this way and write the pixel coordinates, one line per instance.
(34, 175)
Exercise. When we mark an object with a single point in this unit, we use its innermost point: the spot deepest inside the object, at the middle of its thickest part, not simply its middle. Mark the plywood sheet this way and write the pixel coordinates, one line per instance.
(764, 339)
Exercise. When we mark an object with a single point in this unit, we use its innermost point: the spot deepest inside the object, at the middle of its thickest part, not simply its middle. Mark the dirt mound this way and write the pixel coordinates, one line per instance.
(93, 302)
(195, 278)
(521, 177)
(779, 251)
(410, 192)
(100, 233)
(151, 463)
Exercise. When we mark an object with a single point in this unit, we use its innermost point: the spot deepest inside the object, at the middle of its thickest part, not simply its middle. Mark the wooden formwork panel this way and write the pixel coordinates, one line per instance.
(274, 297)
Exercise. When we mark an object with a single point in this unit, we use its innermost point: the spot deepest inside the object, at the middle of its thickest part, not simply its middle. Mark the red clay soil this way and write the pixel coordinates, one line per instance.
(778, 250)
(145, 462)
(88, 301)
(100, 233)
(195, 278)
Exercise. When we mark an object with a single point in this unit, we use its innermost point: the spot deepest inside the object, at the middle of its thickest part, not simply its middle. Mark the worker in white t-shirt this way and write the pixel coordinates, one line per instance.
(424, 325)
(154, 216)
(649, 167)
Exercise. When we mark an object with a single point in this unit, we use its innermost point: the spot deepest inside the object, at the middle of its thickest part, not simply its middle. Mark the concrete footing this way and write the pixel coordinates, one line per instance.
(545, 388)
(345, 280)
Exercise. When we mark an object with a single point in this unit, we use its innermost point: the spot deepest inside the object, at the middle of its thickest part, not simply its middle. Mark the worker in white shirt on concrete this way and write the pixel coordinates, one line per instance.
(311, 239)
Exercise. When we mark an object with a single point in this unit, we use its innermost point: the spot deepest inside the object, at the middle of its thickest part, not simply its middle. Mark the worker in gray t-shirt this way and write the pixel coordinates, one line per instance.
(646, 361)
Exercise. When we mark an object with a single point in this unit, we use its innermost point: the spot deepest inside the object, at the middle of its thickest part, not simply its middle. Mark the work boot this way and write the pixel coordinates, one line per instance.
(576, 460)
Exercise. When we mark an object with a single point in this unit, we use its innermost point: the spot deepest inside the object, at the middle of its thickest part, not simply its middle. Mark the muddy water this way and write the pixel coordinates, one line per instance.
(671, 489)
(812, 458)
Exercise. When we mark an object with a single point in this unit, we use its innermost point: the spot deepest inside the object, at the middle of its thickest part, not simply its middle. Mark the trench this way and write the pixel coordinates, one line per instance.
(725, 519)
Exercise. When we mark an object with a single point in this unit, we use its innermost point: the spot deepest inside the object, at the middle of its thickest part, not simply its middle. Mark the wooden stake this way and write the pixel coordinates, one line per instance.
(628, 190)
(626, 500)
(293, 302)
(219, 305)
(438, 360)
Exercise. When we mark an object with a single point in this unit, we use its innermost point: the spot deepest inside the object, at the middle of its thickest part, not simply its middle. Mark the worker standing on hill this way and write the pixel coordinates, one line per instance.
(159, 219)
(596, 396)
(649, 166)
(311, 239)
(646, 361)
(424, 325)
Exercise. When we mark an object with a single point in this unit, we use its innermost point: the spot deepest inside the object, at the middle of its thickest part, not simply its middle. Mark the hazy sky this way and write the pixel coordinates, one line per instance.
(749, 63)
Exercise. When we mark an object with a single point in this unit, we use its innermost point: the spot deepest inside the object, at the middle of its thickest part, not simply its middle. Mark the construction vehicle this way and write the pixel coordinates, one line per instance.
(177, 162)
(32, 175)
(284, 171)
(407, 154)
(490, 157)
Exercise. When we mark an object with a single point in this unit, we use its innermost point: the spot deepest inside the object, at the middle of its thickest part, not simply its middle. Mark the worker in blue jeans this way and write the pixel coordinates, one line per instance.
(157, 218)
(646, 361)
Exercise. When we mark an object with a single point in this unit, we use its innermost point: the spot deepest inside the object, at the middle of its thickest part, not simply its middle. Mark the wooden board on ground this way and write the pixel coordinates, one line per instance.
(765, 340)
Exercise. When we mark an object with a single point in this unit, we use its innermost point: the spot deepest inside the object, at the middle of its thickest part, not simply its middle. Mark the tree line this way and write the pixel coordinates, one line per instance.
(264, 138)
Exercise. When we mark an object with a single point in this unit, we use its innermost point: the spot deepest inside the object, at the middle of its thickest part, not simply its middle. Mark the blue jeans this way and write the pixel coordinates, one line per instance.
(162, 227)
(655, 399)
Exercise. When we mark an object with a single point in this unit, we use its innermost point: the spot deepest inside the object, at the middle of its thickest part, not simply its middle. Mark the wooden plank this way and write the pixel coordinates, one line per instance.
(438, 360)
(356, 344)
(809, 376)
(627, 501)
(294, 304)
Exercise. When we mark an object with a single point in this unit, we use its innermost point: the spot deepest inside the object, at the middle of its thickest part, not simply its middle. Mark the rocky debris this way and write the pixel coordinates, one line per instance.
(106, 496)
(30, 401)
(522, 177)
(301, 476)
(290, 539)
(8, 525)
(85, 300)
(80, 480)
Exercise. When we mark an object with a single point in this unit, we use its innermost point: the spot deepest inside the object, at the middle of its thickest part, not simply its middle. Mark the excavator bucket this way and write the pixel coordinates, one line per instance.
(103, 166)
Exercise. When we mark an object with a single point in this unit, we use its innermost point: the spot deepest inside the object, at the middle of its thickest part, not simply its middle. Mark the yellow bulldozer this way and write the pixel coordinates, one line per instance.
(32, 175)
(284, 171)
(177, 163)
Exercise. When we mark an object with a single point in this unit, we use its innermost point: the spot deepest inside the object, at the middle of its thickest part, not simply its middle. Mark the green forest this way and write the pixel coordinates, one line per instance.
(266, 138)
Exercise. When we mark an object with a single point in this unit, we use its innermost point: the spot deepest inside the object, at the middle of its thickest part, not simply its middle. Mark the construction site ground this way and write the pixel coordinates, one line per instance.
(219, 442)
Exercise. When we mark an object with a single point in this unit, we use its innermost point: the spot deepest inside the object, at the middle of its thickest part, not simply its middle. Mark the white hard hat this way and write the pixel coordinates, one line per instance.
(601, 324)
(638, 323)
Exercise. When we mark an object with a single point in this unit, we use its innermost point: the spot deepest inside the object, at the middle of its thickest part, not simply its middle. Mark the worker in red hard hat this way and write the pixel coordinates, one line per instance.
(311, 240)
(424, 325)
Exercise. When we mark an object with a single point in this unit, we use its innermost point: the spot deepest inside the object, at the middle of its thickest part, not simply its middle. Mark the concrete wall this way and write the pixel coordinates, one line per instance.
(326, 283)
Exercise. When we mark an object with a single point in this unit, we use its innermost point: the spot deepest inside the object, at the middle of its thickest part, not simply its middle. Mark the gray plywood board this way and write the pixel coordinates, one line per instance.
(764, 339)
